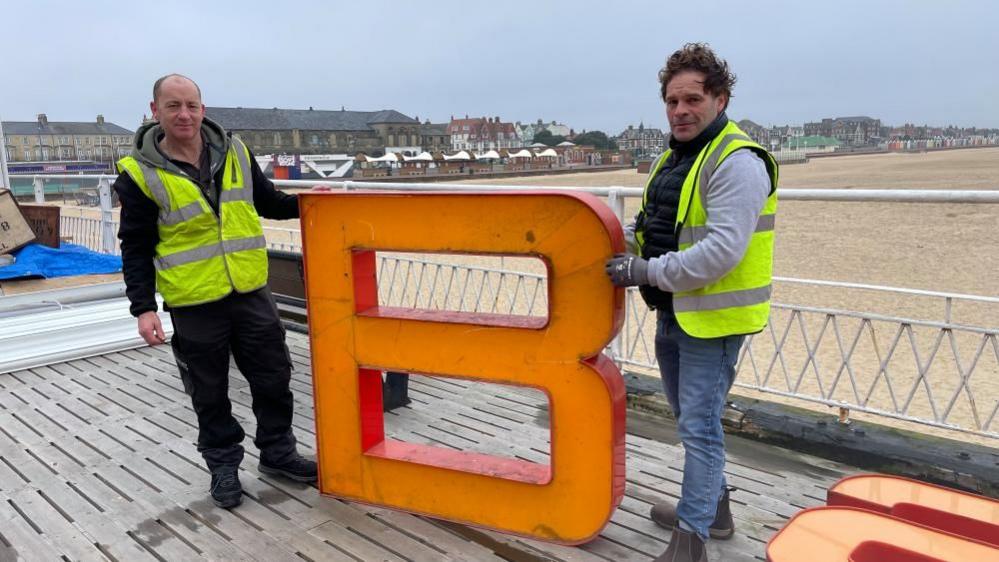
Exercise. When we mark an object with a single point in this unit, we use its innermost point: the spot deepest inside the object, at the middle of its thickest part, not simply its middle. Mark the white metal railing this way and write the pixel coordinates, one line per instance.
(934, 372)
(96, 233)
(923, 371)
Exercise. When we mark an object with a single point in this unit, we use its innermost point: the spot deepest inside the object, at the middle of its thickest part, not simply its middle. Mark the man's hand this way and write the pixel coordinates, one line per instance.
(627, 270)
(151, 329)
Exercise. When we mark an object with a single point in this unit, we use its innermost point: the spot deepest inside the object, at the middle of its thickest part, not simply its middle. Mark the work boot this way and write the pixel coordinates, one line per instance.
(684, 547)
(297, 468)
(226, 490)
(723, 527)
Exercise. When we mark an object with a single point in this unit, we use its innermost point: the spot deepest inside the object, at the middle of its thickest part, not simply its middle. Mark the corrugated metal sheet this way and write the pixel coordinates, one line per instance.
(24, 303)
(32, 337)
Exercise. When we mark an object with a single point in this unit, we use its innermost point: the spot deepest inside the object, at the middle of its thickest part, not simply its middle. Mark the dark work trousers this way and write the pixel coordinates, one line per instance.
(248, 327)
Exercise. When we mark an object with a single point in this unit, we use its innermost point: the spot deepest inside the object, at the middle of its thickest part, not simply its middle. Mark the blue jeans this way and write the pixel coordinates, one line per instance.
(697, 375)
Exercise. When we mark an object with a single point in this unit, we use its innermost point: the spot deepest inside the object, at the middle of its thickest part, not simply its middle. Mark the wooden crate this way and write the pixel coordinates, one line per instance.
(44, 222)
(14, 229)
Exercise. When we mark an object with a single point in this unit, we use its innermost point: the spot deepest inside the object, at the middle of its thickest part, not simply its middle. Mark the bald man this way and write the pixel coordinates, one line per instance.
(191, 200)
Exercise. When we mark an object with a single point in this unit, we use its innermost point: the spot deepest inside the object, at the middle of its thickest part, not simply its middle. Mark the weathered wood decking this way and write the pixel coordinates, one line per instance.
(98, 462)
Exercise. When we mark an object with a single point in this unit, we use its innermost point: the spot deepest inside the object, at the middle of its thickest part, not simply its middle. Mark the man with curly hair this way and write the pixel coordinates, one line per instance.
(701, 253)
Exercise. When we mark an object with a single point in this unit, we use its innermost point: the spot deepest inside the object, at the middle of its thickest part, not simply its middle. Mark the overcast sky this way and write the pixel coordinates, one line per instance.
(589, 64)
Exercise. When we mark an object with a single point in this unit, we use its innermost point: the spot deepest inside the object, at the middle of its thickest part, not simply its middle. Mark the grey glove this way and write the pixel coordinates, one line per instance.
(627, 270)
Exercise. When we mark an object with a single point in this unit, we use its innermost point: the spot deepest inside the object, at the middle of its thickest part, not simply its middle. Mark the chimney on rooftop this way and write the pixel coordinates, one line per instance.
(42, 119)
(100, 119)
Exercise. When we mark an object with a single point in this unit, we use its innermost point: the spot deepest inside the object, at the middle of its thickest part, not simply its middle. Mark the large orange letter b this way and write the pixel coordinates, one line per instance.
(353, 338)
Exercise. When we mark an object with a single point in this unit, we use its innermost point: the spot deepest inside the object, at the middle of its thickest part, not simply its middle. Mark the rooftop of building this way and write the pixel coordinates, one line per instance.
(434, 128)
(275, 119)
(42, 126)
(480, 126)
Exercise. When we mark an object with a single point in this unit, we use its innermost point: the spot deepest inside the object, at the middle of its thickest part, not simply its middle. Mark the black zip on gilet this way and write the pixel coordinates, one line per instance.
(657, 220)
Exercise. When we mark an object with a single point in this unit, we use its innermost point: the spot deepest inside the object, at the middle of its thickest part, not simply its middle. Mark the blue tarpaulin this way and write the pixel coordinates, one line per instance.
(36, 260)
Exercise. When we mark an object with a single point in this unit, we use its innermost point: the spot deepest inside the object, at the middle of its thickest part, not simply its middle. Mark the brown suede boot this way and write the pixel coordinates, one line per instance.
(684, 547)
(723, 527)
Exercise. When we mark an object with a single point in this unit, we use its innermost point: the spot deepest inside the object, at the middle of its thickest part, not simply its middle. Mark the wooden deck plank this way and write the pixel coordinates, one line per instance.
(140, 517)
(353, 544)
(63, 534)
(27, 543)
(287, 533)
(257, 509)
(634, 513)
(110, 441)
(306, 513)
(353, 519)
(423, 529)
(537, 549)
(80, 497)
(194, 501)
(426, 426)
(781, 495)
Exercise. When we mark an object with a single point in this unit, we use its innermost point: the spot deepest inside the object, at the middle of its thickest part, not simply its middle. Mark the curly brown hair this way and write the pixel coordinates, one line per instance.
(700, 58)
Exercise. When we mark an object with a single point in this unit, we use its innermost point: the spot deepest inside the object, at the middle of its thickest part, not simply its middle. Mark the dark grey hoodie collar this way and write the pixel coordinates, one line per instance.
(145, 147)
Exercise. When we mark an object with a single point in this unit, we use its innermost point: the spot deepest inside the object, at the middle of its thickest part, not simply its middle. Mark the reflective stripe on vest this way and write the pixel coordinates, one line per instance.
(243, 192)
(206, 252)
(201, 257)
(709, 166)
(694, 234)
(717, 301)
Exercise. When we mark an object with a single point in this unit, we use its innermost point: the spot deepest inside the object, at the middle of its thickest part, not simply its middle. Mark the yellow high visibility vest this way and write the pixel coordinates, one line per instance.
(739, 302)
(201, 257)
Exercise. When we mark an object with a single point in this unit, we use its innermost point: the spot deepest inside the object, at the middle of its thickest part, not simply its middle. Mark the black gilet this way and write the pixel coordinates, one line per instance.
(657, 220)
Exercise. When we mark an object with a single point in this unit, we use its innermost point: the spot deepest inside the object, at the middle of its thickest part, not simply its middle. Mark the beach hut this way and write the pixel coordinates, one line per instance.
(416, 165)
(454, 163)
